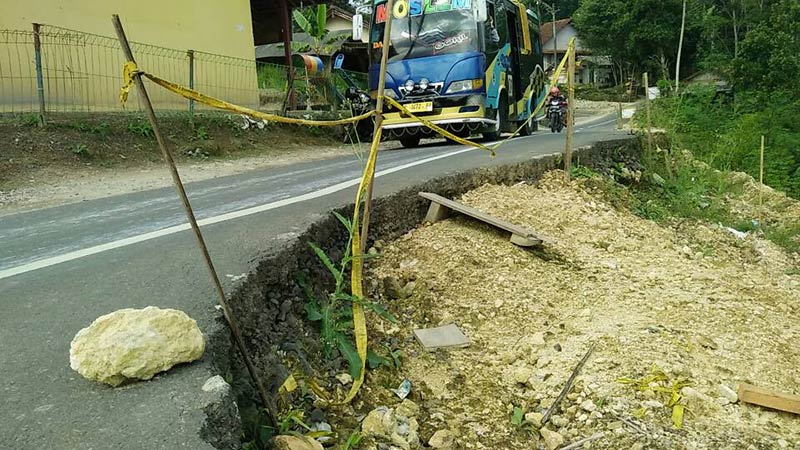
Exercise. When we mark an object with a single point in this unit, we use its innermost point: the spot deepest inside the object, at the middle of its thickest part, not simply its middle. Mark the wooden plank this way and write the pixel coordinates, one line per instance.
(769, 398)
(519, 235)
(448, 336)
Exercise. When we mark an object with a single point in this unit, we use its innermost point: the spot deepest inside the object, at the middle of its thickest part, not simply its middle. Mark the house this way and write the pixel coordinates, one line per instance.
(81, 63)
(223, 28)
(590, 68)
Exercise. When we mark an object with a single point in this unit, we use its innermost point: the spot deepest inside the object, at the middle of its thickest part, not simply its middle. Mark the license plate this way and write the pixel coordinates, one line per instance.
(419, 107)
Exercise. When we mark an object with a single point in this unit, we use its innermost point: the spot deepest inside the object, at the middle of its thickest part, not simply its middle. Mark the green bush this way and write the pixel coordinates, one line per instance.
(728, 136)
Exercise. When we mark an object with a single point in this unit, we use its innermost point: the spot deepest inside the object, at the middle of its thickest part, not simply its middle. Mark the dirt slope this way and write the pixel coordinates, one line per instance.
(696, 302)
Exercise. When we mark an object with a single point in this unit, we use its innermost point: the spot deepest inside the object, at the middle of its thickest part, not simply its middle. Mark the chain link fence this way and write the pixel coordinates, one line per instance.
(82, 73)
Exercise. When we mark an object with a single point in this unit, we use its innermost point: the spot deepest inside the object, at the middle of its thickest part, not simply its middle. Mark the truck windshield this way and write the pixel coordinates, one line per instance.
(429, 34)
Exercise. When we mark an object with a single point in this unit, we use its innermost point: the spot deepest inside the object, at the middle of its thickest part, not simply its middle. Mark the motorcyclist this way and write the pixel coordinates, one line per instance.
(555, 94)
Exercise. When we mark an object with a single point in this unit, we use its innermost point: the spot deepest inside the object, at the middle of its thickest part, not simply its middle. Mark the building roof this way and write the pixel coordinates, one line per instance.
(546, 32)
(335, 11)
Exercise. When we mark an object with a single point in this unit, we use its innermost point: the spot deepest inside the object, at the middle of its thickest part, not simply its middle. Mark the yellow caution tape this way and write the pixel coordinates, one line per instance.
(130, 69)
(289, 385)
(356, 275)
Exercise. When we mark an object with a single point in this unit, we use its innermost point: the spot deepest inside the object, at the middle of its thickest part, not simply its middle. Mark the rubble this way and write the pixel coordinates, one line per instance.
(696, 301)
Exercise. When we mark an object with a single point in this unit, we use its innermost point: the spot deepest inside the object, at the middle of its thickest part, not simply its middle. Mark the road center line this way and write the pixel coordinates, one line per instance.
(73, 255)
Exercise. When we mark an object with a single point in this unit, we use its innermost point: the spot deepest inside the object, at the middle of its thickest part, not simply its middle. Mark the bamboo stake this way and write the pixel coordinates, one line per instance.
(761, 181)
(647, 105)
(378, 123)
(570, 108)
(123, 40)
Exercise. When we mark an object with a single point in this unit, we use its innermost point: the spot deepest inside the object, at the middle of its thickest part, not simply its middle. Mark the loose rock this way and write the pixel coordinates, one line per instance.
(135, 344)
(534, 418)
(286, 442)
(344, 378)
(728, 393)
(552, 439)
(442, 439)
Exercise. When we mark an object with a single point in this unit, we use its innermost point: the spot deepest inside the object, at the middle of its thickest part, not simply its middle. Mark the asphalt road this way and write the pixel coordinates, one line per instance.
(62, 267)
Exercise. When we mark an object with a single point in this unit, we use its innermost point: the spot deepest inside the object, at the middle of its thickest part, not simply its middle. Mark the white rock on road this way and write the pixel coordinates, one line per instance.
(135, 344)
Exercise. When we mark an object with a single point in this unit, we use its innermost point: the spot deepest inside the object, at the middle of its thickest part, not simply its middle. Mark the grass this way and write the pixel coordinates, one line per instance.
(680, 188)
(271, 77)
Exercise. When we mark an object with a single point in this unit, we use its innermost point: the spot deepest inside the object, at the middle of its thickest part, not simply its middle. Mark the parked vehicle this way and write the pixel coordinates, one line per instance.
(469, 66)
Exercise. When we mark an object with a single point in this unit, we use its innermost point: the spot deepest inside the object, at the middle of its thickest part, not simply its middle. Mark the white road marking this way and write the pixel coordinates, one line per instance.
(70, 256)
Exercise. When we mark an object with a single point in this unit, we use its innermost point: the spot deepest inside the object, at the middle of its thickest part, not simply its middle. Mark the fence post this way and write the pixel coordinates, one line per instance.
(190, 54)
(37, 47)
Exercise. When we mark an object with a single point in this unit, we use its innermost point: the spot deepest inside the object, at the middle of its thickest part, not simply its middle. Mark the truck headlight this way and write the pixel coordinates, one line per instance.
(464, 86)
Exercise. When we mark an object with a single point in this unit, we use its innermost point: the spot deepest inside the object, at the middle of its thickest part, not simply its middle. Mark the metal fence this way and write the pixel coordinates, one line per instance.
(82, 73)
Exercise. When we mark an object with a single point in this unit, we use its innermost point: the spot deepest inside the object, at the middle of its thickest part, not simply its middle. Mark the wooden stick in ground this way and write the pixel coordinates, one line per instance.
(123, 40)
(761, 179)
(647, 106)
(567, 386)
(378, 122)
(579, 443)
(570, 108)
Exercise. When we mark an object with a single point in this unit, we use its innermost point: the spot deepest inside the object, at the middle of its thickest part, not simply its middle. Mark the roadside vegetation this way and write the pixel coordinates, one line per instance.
(673, 188)
(747, 48)
(113, 141)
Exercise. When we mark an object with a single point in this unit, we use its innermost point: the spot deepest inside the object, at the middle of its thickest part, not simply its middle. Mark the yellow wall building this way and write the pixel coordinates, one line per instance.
(82, 71)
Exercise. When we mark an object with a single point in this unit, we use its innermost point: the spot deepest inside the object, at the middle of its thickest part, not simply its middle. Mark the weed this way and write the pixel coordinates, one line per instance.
(140, 127)
(81, 150)
(583, 172)
(334, 312)
(517, 416)
(201, 133)
(793, 271)
(352, 441)
(30, 119)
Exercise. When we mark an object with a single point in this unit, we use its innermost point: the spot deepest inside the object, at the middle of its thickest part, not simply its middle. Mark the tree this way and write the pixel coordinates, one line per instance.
(639, 34)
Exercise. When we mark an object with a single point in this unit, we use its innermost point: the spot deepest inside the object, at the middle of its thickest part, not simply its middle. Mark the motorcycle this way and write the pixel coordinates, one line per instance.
(555, 113)
(359, 103)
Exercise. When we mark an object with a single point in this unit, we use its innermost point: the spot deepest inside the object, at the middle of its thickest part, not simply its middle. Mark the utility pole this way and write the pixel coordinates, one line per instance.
(551, 8)
(680, 47)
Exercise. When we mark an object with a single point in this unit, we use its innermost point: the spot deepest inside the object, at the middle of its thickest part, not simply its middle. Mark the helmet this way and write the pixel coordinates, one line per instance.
(555, 91)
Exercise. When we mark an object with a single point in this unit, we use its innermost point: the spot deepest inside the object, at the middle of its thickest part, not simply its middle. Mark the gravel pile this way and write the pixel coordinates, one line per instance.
(696, 309)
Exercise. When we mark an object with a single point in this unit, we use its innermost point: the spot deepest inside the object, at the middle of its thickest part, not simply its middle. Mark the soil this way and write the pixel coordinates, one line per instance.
(675, 313)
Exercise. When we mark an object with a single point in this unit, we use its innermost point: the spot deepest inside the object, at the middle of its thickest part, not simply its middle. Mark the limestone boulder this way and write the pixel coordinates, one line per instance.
(135, 344)
(286, 442)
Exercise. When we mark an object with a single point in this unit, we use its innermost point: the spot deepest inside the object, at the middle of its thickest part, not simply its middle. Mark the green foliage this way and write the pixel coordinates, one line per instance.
(352, 441)
(271, 77)
(638, 35)
(517, 417)
(81, 150)
(728, 136)
(140, 127)
(29, 119)
(583, 172)
(334, 312)
(201, 133)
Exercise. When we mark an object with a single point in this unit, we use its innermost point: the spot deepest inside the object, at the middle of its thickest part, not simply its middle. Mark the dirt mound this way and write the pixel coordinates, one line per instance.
(694, 310)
